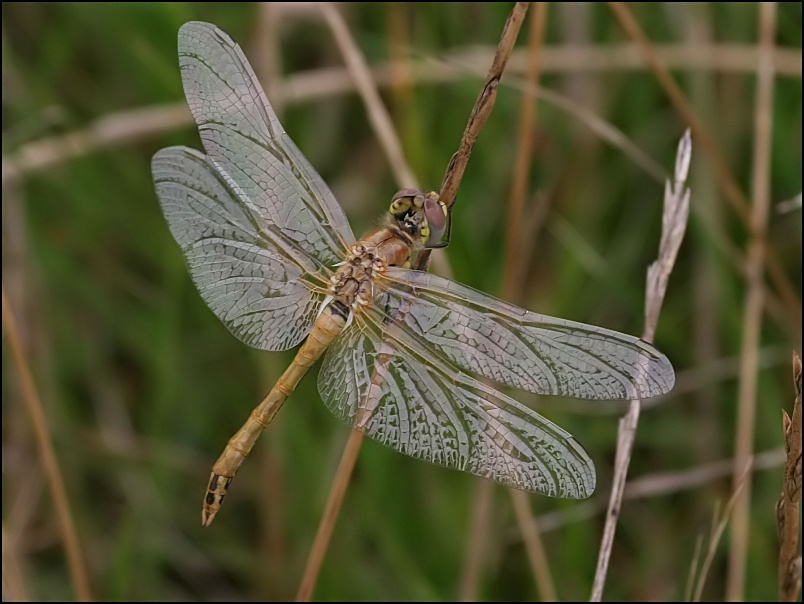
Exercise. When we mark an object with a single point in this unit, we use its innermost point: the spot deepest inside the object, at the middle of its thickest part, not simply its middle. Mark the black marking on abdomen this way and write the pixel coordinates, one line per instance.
(340, 309)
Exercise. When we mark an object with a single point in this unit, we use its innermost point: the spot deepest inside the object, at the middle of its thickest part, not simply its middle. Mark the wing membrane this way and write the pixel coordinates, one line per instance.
(246, 279)
(432, 411)
(248, 146)
(512, 346)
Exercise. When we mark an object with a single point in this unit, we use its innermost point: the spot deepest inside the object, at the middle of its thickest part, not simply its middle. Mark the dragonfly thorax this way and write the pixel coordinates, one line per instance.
(352, 284)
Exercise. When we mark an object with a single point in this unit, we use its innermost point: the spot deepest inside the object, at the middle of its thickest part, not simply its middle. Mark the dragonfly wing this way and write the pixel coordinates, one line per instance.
(512, 346)
(434, 412)
(248, 146)
(246, 279)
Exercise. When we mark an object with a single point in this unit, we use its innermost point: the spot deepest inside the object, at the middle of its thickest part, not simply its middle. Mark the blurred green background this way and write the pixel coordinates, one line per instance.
(142, 385)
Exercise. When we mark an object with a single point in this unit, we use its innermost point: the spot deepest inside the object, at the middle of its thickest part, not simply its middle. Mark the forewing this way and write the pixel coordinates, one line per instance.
(246, 279)
(434, 412)
(512, 346)
(248, 146)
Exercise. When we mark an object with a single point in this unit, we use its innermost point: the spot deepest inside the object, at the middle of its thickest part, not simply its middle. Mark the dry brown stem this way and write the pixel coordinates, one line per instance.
(55, 478)
(674, 224)
(725, 178)
(787, 521)
(386, 133)
(756, 258)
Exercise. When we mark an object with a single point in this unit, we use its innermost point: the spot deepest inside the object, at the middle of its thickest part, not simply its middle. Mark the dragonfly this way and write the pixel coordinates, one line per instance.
(406, 352)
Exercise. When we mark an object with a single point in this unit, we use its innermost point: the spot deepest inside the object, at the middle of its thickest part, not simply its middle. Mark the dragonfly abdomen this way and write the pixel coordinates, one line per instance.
(351, 289)
(327, 327)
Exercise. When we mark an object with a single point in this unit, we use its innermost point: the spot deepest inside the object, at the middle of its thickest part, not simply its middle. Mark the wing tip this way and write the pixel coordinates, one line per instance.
(660, 372)
(196, 30)
(664, 375)
(583, 486)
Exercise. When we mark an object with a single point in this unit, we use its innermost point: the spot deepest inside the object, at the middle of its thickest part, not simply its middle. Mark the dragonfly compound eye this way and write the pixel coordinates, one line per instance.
(436, 214)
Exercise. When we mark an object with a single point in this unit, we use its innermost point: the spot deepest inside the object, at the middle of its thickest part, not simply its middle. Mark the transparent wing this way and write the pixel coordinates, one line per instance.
(507, 344)
(248, 146)
(247, 280)
(431, 411)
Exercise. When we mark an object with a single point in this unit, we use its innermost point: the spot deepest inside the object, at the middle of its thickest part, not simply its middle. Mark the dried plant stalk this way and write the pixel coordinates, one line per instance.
(674, 224)
(55, 478)
(756, 257)
(480, 113)
(787, 521)
(383, 127)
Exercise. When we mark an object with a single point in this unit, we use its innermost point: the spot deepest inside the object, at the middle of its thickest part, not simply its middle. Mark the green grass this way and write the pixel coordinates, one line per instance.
(142, 385)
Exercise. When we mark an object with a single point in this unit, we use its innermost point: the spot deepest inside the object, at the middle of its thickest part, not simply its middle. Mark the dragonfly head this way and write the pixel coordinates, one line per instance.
(422, 215)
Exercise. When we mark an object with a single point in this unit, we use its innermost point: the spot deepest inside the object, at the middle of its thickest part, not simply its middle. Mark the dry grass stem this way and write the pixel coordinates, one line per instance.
(483, 105)
(789, 205)
(476, 551)
(480, 113)
(383, 126)
(718, 527)
(55, 479)
(332, 508)
(389, 140)
(132, 125)
(674, 223)
(378, 115)
(111, 130)
(531, 535)
(632, 28)
(125, 127)
(754, 303)
(513, 277)
(13, 583)
(667, 483)
(266, 52)
(787, 513)
(514, 267)
(696, 557)
(602, 128)
(727, 181)
(658, 485)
